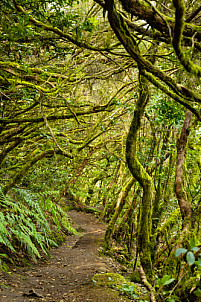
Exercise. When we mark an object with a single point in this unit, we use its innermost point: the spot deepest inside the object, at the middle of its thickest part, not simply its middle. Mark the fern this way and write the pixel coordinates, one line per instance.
(4, 234)
(65, 223)
(25, 220)
(25, 240)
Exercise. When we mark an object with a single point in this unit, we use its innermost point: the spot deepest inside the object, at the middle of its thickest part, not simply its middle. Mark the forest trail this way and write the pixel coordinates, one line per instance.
(67, 275)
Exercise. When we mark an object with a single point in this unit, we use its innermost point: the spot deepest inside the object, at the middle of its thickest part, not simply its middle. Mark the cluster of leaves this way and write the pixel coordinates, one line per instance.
(26, 222)
(190, 255)
(191, 258)
(168, 112)
(161, 288)
(130, 291)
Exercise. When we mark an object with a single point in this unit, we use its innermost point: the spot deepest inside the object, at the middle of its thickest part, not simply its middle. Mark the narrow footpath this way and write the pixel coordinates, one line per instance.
(67, 275)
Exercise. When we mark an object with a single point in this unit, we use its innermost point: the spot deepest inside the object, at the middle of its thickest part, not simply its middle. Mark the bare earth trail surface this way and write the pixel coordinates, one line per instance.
(67, 275)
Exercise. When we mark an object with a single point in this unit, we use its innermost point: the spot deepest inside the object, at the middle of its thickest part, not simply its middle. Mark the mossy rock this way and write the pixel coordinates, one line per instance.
(119, 283)
(135, 277)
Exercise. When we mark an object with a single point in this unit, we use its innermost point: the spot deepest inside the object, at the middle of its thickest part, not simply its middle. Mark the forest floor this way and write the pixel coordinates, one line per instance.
(67, 275)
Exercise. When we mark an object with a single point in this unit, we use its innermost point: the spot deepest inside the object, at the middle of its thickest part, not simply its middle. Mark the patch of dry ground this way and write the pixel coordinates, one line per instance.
(67, 275)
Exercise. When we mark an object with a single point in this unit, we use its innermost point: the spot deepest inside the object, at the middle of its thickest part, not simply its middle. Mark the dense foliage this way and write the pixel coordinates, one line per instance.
(100, 101)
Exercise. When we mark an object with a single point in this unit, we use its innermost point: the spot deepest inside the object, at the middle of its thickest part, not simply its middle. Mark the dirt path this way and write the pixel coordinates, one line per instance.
(67, 275)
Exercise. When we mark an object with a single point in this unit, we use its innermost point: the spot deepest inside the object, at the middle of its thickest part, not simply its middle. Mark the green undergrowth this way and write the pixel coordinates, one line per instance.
(30, 224)
(122, 285)
(73, 203)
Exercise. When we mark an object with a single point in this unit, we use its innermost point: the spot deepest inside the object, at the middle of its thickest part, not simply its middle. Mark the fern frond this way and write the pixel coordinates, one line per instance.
(27, 218)
(26, 241)
(4, 234)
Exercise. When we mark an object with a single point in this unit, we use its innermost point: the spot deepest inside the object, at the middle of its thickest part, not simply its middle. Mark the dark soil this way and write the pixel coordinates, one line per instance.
(67, 275)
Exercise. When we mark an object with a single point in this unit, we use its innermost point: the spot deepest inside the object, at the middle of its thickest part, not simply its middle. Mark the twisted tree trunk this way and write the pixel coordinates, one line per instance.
(140, 174)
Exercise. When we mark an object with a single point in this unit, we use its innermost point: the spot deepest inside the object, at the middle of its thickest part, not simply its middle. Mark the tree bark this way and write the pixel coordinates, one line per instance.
(140, 174)
(119, 206)
(185, 206)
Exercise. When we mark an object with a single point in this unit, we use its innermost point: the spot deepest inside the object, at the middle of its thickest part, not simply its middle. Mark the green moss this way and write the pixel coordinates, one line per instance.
(175, 216)
(108, 279)
(135, 277)
(119, 283)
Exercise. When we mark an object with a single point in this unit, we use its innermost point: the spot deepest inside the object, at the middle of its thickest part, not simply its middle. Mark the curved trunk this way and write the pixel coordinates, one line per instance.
(140, 174)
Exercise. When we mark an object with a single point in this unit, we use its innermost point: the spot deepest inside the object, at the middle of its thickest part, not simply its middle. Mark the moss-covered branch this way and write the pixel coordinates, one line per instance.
(62, 116)
(171, 94)
(177, 39)
(32, 159)
(58, 32)
(164, 24)
(17, 81)
(127, 39)
(30, 70)
(8, 149)
(143, 11)
(52, 135)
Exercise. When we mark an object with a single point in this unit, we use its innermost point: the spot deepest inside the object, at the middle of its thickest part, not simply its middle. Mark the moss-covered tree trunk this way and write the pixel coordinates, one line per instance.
(185, 206)
(120, 229)
(140, 174)
(187, 231)
(119, 206)
(158, 204)
(108, 208)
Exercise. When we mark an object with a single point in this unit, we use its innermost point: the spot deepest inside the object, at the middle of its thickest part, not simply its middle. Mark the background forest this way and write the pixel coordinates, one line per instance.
(100, 105)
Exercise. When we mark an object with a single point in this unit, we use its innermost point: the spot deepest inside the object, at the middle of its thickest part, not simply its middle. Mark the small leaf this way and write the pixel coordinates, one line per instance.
(165, 279)
(190, 257)
(180, 251)
(169, 281)
(195, 248)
